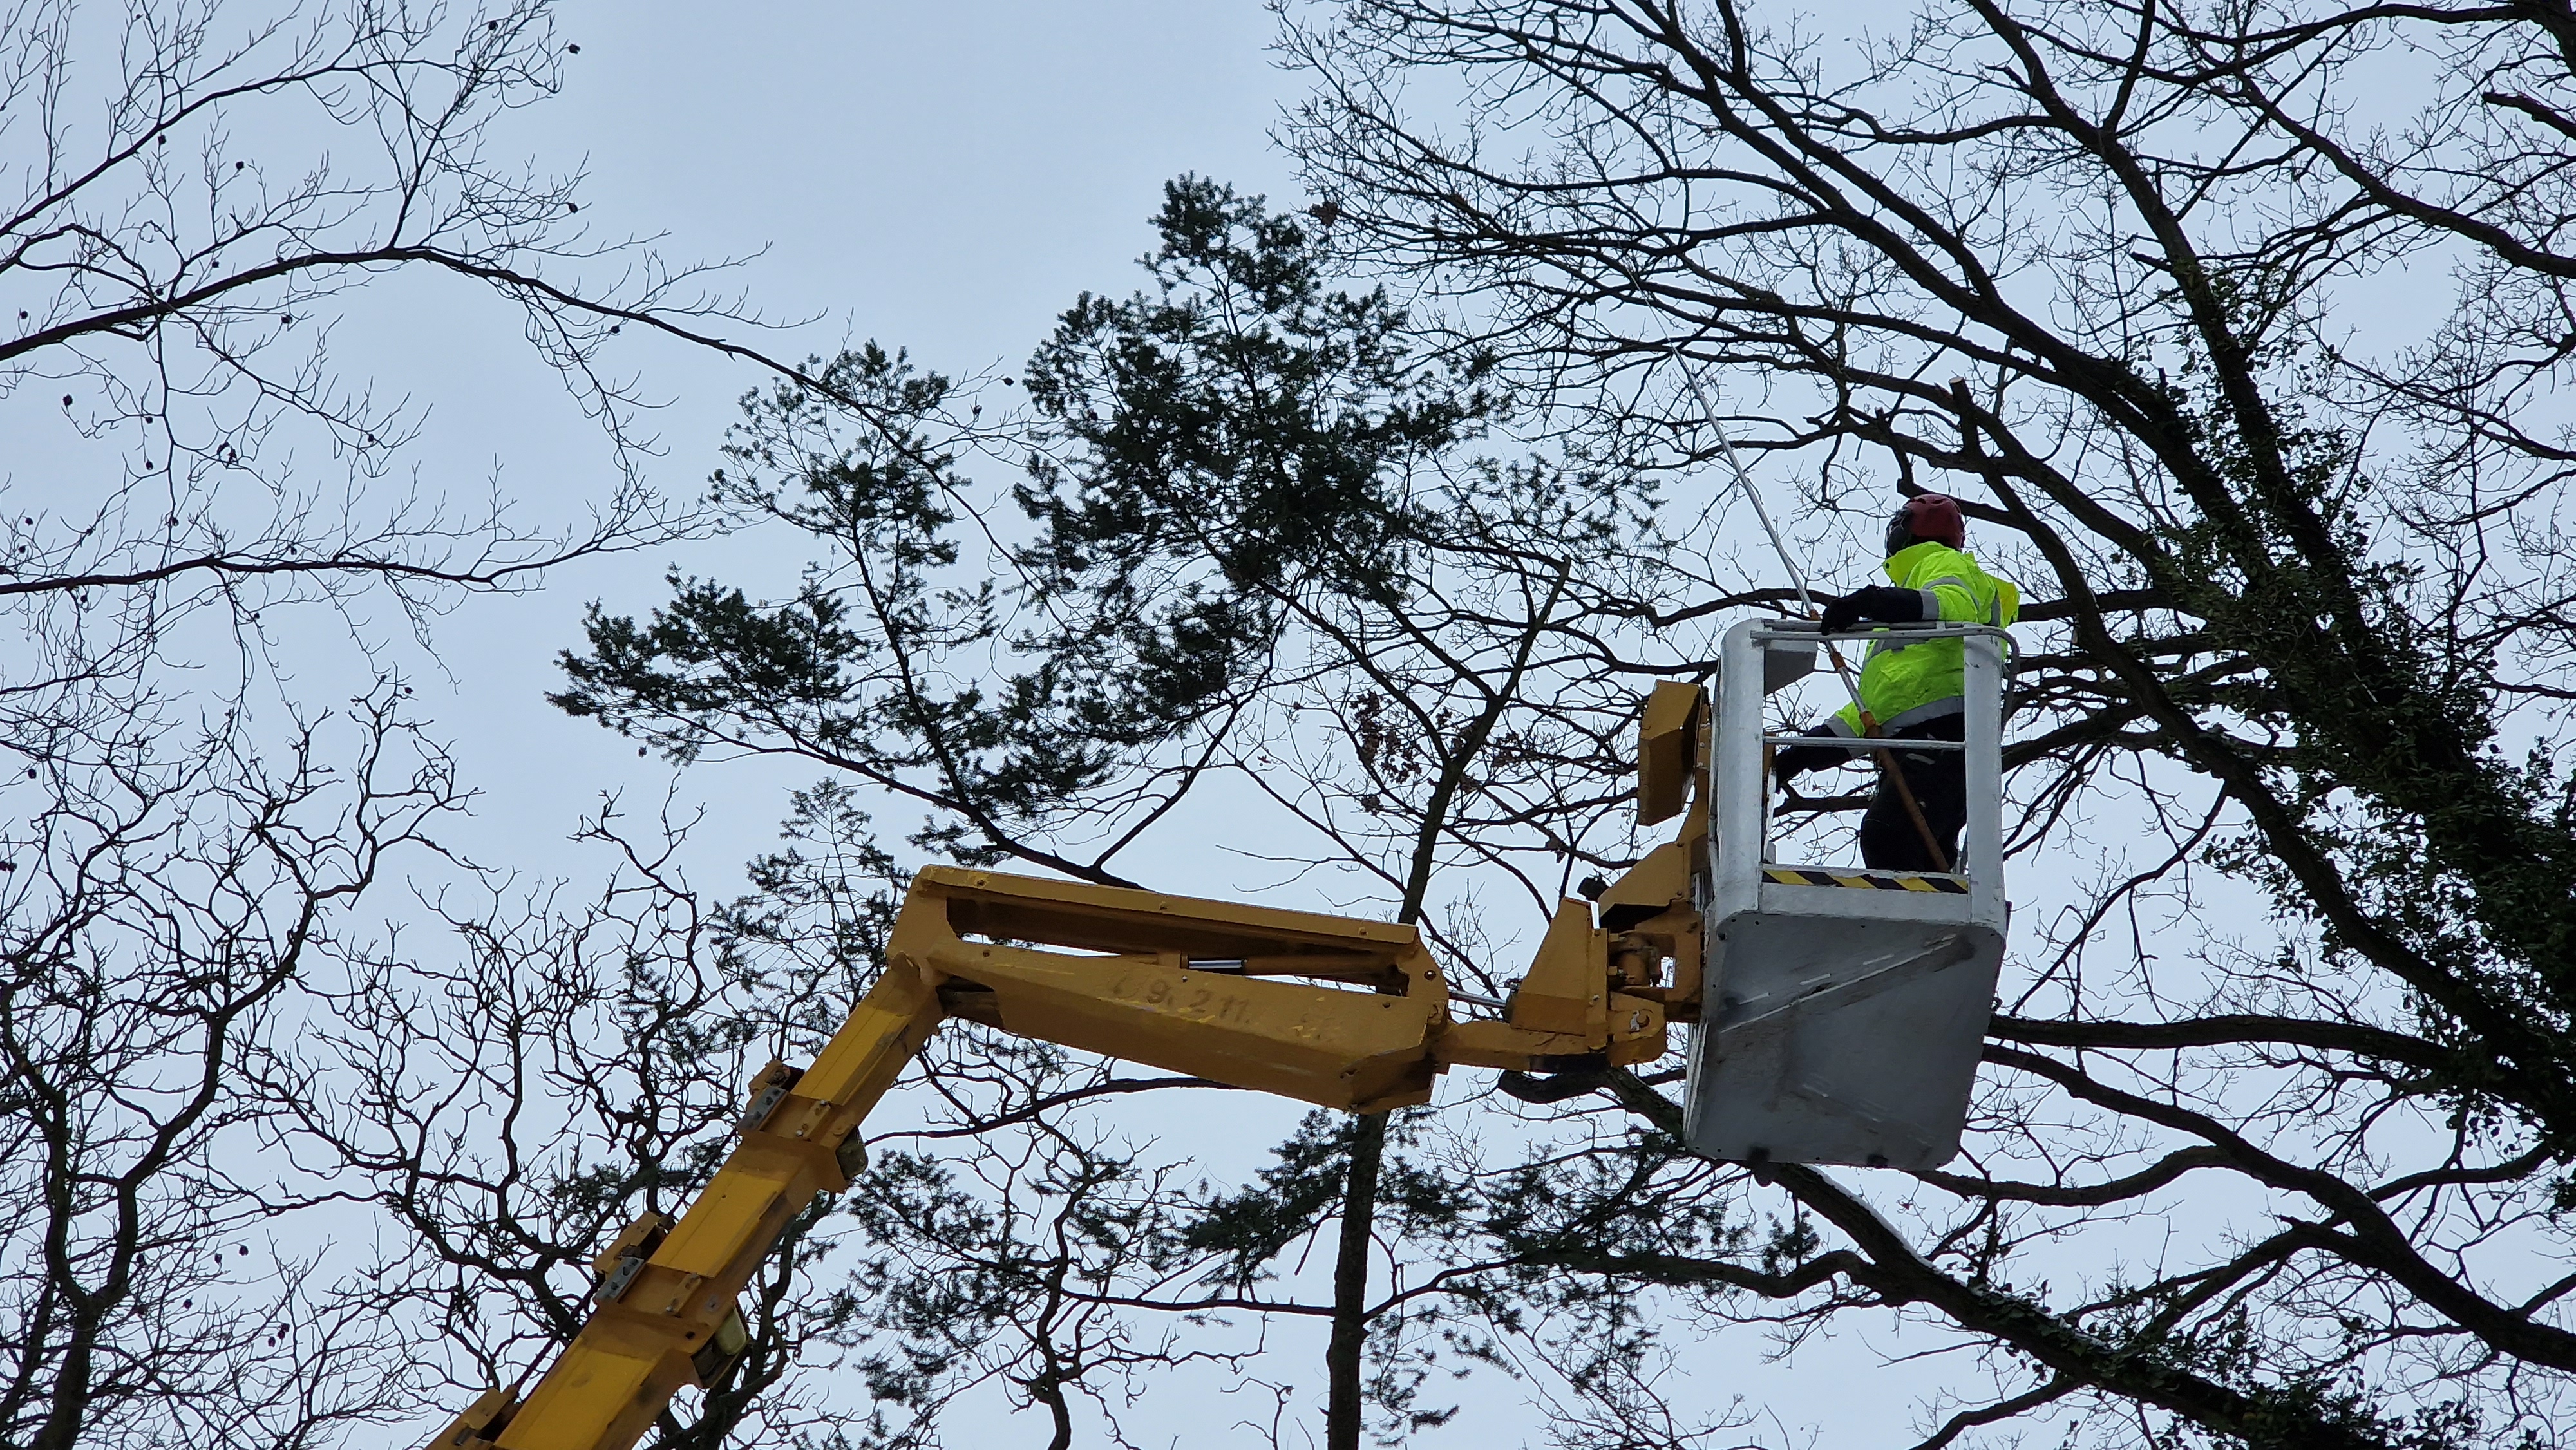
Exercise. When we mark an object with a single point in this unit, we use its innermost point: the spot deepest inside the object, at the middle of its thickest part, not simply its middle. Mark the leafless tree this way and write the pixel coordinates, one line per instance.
(175, 246)
(509, 1091)
(2275, 1104)
(165, 1271)
(206, 515)
(510, 1097)
(2258, 316)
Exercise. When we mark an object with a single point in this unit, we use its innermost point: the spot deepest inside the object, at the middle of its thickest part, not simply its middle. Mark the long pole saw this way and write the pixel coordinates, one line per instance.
(1888, 770)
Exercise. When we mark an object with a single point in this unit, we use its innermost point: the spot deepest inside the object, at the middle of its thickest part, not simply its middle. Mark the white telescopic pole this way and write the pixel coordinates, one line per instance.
(1744, 484)
(1842, 671)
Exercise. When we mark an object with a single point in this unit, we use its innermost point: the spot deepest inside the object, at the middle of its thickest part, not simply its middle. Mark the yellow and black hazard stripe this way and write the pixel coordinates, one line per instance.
(1870, 880)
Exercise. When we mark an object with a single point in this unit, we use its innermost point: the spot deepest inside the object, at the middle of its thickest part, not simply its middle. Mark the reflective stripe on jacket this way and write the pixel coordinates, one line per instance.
(1908, 682)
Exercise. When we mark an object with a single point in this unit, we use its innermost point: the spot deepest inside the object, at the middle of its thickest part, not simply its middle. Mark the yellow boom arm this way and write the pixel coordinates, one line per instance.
(1325, 1009)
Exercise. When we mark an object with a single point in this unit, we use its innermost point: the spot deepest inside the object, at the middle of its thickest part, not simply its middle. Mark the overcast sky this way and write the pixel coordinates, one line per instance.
(944, 178)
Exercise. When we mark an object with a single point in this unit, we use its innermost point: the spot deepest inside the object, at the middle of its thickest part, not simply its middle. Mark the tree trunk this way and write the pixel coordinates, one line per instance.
(1350, 1287)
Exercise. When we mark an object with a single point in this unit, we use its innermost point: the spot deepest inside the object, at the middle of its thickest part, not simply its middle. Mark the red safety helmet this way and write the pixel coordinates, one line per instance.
(1932, 516)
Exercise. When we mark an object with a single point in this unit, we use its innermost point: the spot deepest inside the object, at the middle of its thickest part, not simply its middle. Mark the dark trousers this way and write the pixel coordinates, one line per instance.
(1889, 839)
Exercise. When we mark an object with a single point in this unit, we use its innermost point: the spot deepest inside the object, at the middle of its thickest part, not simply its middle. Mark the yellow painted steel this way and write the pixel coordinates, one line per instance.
(1568, 985)
(1332, 1046)
(638, 1348)
(1668, 747)
(1169, 981)
(1653, 885)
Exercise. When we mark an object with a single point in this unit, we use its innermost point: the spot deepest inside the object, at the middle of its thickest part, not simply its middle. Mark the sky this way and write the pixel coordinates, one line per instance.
(941, 178)
(944, 178)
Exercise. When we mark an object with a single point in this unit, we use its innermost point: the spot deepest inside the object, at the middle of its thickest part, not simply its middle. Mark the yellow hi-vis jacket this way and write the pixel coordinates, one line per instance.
(1906, 683)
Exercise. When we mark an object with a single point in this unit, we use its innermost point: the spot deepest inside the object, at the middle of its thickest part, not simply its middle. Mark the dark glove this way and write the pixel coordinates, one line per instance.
(1796, 760)
(1883, 602)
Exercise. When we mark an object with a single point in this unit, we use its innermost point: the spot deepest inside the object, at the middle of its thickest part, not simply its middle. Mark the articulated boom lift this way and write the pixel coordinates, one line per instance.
(1324, 1009)
(1327, 1010)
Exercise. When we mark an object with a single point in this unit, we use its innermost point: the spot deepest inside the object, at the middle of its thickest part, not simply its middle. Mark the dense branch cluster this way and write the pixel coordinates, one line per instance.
(2293, 828)
(221, 553)
(1349, 543)
(2148, 285)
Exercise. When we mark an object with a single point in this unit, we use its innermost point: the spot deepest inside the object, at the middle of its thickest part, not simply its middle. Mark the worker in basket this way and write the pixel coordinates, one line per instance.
(1912, 689)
